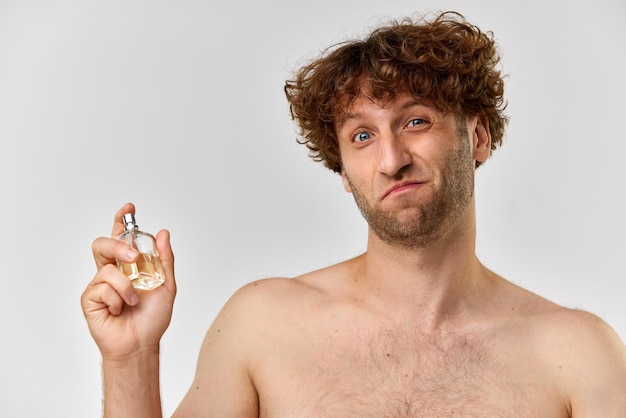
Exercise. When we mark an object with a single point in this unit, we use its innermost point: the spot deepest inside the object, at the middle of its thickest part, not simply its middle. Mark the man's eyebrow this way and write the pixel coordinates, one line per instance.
(415, 102)
(347, 116)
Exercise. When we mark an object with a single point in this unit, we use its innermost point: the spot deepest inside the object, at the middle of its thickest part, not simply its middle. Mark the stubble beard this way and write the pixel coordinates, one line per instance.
(422, 224)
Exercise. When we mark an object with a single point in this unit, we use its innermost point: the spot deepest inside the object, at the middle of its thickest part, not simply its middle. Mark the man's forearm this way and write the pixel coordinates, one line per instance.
(131, 387)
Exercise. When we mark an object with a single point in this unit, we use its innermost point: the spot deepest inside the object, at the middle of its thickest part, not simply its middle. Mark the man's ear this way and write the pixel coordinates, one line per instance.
(346, 183)
(481, 139)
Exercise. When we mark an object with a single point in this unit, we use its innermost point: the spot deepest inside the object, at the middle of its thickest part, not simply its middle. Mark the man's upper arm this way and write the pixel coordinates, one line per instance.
(222, 386)
(598, 387)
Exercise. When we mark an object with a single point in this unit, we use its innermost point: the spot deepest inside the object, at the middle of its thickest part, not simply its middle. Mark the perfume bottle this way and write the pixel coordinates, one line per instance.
(147, 272)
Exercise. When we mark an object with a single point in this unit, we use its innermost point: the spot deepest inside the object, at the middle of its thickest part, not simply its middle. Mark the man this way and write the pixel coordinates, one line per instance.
(414, 327)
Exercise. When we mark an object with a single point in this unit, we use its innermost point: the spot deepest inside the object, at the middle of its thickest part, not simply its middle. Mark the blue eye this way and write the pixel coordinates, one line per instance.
(416, 122)
(362, 137)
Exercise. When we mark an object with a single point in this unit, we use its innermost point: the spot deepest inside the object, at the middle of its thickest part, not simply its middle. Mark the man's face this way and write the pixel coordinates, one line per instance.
(409, 166)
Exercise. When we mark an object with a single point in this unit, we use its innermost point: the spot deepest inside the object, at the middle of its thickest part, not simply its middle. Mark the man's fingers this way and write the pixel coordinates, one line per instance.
(167, 257)
(107, 250)
(112, 288)
(107, 296)
(118, 221)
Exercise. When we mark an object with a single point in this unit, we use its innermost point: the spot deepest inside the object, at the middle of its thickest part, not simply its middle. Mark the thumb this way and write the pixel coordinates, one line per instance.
(167, 257)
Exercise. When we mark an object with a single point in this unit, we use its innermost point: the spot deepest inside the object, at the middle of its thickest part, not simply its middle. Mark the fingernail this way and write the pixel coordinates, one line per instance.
(134, 299)
(131, 253)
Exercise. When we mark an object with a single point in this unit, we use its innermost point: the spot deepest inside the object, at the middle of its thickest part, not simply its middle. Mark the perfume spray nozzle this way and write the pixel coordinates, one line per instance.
(129, 221)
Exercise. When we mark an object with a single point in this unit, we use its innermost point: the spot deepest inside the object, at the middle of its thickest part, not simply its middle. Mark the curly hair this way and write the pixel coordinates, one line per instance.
(446, 60)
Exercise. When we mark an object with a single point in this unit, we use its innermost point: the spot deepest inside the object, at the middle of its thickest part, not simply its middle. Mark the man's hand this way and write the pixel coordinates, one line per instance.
(122, 320)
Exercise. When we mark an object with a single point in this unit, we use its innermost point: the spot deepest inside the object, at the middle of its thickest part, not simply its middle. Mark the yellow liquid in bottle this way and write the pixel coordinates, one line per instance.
(146, 273)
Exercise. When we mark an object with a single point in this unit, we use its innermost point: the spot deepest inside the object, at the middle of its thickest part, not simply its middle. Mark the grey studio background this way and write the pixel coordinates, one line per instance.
(178, 107)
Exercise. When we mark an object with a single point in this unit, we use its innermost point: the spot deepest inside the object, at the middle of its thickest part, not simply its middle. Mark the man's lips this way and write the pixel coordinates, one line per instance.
(401, 187)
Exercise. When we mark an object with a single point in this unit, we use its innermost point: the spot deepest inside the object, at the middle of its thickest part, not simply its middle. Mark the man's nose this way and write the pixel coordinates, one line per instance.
(393, 154)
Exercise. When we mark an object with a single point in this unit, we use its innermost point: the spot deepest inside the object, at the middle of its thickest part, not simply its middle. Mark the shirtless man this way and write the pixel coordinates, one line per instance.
(414, 327)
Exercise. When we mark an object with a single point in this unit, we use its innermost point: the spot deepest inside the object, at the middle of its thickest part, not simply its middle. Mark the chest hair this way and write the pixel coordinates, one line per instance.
(388, 374)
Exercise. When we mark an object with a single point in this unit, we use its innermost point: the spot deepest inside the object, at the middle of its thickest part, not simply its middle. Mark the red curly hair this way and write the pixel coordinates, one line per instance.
(446, 60)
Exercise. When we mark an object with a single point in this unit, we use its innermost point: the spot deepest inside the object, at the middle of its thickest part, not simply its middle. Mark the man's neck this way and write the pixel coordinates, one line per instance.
(440, 282)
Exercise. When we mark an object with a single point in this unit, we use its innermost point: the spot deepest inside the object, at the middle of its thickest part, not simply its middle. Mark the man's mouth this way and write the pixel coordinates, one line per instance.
(401, 187)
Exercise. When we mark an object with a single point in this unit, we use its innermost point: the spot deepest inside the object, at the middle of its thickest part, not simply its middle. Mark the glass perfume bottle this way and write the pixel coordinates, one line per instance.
(147, 272)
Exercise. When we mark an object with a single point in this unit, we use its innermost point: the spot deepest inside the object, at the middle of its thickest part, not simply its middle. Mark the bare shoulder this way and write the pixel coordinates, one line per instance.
(254, 321)
(585, 339)
(582, 325)
(273, 295)
(559, 322)
(577, 331)
(581, 352)
(594, 359)
(268, 305)
(280, 293)
(574, 332)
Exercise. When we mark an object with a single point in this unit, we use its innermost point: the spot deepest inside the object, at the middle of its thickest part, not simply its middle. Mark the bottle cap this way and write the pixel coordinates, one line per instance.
(129, 221)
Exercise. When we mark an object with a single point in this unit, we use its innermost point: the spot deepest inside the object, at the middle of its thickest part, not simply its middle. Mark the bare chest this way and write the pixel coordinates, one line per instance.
(391, 374)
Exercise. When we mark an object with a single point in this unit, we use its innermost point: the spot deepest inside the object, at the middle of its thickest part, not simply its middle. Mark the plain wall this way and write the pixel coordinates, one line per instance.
(178, 107)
